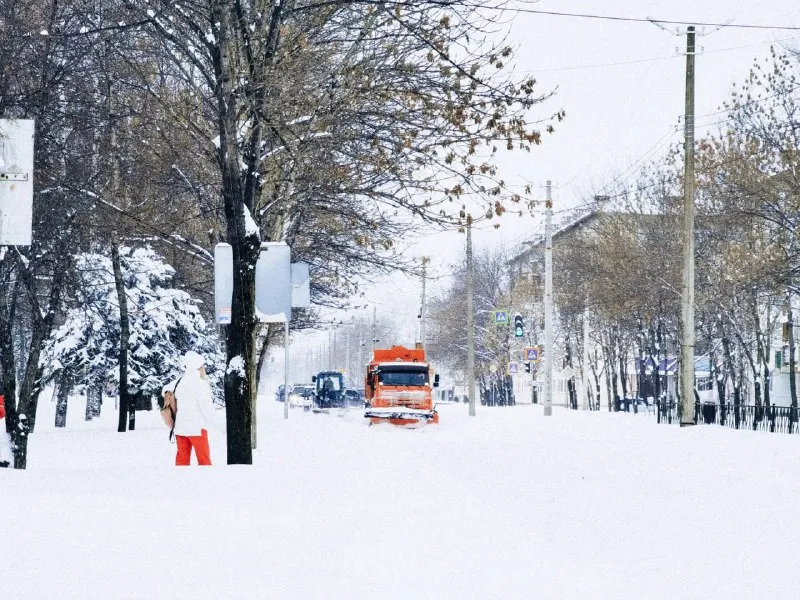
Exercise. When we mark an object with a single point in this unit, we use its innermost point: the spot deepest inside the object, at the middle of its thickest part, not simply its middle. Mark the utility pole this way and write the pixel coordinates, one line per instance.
(330, 349)
(548, 302)
(470, 323)
(374, 327)
(286, 370)
(687, 291)
(425, 261)
(585, 368)
(334, 352)
(360, 352)
(347, 353)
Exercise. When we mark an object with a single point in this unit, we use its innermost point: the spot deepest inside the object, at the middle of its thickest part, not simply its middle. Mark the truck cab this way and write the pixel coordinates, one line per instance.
(398, 387)
(329, 390)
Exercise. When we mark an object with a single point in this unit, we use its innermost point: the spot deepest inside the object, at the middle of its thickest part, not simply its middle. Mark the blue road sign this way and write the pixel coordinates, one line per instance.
(531, 354)
(513, 368)
(500, 317)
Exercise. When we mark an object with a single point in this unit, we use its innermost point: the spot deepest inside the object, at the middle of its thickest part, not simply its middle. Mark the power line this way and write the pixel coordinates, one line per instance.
(641, 159)
(651, 59)
(600, 65)
(554, 13)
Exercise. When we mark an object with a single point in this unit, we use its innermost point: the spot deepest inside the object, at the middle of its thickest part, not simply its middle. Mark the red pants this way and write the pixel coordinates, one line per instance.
(199, 443)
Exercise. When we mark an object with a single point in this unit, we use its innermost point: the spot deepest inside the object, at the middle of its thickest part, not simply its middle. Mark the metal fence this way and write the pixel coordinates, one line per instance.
(776, 419)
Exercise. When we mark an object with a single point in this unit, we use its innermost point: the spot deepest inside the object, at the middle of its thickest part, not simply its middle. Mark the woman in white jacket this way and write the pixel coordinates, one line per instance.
(193, 405)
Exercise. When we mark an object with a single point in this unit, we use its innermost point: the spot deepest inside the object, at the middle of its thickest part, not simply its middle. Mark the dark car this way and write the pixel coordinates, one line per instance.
(353, 398)
(630, 405)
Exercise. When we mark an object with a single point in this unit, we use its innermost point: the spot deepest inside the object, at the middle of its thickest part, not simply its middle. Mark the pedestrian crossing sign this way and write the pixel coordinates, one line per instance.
(513, 368)
(500, 317)
(531, 354)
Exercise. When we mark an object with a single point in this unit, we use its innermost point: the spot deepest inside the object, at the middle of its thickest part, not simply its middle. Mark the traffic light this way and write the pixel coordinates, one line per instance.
(527, 367)
(519, 326)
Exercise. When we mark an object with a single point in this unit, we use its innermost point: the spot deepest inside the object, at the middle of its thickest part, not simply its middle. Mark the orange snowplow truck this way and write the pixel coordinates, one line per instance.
(398, 387)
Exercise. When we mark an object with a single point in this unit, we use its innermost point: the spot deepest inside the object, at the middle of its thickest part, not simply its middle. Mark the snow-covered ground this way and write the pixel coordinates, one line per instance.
(505, 505)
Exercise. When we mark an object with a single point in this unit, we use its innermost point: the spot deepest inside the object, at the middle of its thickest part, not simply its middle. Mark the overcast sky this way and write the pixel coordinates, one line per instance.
(622, 85)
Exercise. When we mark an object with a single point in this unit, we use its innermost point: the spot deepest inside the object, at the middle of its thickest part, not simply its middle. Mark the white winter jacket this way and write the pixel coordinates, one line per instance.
(195, 408)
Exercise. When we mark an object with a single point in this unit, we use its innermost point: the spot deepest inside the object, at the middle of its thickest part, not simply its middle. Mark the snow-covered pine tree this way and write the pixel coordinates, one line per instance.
(165, 322)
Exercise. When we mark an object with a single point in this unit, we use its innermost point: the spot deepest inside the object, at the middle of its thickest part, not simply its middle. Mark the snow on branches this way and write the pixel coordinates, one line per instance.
(165, 323)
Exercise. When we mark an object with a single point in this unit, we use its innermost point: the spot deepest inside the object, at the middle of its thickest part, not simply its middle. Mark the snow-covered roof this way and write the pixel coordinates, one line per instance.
(537, 242)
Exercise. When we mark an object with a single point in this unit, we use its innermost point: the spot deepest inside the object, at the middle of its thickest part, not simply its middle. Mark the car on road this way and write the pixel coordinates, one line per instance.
(353, 398)
(301, 396)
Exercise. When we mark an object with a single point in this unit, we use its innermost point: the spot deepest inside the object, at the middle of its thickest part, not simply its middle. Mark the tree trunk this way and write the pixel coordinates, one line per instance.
(793, 416)
(8, 370)
(596, 379)
(62, 397)
(89, 403)
(642, 374)
(726, 346)
(763, 349)
(23, 415)
(98, 401)
(611, 372)
(623, 368)
(720, 384)
(125, 414)
(572, 394)
(759, 413)
(659, 354)
(240, 189)
(792, 359)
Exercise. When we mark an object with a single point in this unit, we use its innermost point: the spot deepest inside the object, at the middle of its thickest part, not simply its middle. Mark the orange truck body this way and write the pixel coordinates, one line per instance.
(398, 387)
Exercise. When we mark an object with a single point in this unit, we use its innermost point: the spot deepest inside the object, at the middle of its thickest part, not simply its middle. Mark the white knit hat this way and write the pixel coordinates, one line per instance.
(192, 361)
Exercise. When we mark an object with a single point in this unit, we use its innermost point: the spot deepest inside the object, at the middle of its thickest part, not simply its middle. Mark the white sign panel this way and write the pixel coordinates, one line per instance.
(274, 283)
(280, 285)
(16, 182)
(223, 283)
(301, 285)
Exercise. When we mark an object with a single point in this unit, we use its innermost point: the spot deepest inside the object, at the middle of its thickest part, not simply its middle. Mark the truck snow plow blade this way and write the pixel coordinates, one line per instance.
(399, 415)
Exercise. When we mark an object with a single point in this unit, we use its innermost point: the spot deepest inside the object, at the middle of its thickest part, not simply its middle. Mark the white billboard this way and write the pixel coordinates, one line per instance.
(16, 182)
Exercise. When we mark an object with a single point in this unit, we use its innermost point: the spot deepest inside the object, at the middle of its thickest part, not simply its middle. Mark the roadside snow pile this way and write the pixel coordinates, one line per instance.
(505, 505)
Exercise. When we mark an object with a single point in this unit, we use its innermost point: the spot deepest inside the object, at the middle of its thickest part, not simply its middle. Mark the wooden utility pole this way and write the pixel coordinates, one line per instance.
(470, 323)
(347, 371)
(285, 370)
(425, 261)
(548, 302)
(360, 352)
(374, 327)
(330, 350)
(687, 291)
(792, 358)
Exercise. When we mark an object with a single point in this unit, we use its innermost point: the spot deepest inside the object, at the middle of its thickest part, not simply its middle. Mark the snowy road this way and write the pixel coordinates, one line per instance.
(505, 505)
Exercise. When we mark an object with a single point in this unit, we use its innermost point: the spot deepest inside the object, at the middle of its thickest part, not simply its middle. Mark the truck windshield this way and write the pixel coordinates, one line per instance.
(403, 377)
(329, 384)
